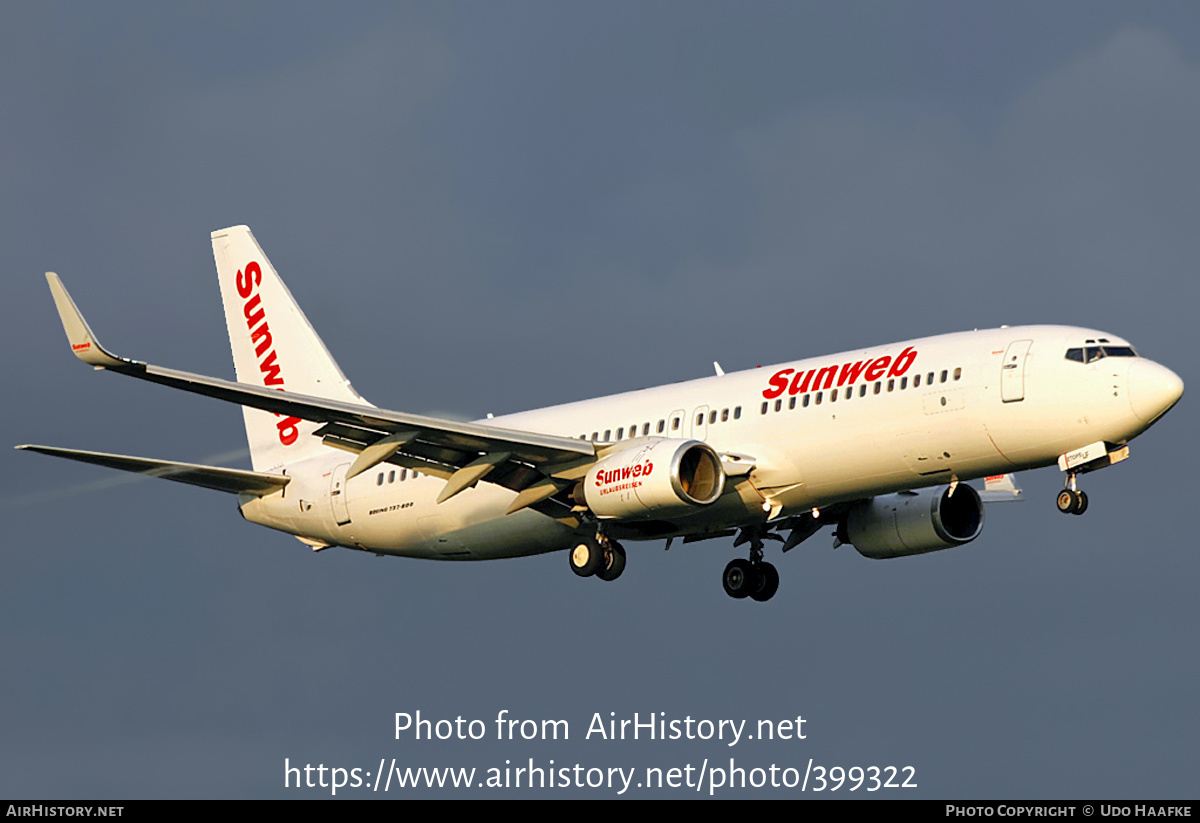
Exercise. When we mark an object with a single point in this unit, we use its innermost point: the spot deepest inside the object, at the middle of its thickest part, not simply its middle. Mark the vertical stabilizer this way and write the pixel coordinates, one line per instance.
(275, 346)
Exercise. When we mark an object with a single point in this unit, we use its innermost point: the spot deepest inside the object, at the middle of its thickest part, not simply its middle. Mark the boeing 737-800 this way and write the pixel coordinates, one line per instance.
(875, 442)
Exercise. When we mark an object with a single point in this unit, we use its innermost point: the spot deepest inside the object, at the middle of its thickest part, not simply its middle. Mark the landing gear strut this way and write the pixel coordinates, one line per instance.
(599, 556)
(1072, 500)
(753, 578)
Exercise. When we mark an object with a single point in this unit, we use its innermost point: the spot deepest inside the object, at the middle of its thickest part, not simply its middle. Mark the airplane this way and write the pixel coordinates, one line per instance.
(877, 443)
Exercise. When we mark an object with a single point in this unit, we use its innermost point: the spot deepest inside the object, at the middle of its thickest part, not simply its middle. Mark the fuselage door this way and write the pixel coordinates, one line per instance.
(337, 495)
(1012, 371)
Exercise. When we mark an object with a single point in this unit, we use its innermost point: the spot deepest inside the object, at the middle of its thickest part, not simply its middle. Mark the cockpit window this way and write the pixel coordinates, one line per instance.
(1091, 354)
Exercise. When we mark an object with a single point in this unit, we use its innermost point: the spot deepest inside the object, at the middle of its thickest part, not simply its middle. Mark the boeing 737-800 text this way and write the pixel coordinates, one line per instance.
(876, 443)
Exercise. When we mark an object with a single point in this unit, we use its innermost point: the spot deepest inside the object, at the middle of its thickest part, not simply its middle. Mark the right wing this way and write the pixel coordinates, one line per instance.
(536, 466)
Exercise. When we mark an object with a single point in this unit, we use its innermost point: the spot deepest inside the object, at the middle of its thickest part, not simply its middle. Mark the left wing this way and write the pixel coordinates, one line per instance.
(536, 466)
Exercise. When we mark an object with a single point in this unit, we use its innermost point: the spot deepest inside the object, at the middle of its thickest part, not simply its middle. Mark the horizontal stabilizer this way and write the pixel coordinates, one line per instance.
(233, 481)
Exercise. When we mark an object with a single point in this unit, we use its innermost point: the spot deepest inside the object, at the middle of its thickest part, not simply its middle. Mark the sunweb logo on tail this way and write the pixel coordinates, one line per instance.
(248, 281)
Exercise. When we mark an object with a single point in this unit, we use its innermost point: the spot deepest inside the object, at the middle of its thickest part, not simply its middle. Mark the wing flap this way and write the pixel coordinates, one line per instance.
(533, 447)
(1001, 488)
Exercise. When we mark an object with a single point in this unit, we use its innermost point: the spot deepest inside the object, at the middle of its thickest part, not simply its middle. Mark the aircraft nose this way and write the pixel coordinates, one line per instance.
(1152, 389)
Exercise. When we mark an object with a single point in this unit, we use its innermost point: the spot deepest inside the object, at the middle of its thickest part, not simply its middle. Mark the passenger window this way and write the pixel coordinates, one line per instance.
(645, 430)
(764, 408)
(379, 482)
(737, 412)
(943, 375)
(819, 397)
(903, 383)
(917, 381)
(595, 436)
(833, 396)
(700, 419)
(675, 421)
(712, 416)
(929, 380)
(661, 425)
(805, 404)
(621, 433)
(724, 415)
(403, 475)
(392, 476)
(891, 384)
(862, 390)
(778, 405)
(791, 403)
(878, 386)
(958, 373)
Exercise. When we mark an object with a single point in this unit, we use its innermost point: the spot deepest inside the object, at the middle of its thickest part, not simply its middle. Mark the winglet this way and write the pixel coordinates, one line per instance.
(83, 342)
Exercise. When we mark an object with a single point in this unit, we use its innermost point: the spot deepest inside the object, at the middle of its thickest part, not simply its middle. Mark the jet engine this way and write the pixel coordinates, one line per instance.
(914, 522)
(655, 479)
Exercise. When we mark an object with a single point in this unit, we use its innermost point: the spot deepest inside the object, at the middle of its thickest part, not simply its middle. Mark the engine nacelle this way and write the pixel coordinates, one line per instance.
(915, 522)
(655, 479)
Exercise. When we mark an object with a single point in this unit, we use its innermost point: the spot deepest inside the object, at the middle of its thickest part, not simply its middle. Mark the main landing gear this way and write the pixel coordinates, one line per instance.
(753, 578)
(599, 556)
(1072, 500)
(745, 578)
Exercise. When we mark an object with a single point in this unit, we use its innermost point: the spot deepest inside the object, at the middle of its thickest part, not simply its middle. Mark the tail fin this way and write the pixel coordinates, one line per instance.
(273, 345)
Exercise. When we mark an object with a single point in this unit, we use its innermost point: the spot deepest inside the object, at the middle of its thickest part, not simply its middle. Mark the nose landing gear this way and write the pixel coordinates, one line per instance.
(1098, 455)
(1072, 500)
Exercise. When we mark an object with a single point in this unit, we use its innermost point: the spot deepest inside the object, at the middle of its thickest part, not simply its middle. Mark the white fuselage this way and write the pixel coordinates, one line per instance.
(818, 432)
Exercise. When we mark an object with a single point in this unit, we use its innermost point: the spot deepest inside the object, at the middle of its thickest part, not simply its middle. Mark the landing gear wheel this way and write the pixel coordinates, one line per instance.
(765, 583)
(614, 562)
(1069, 501)
(586, 556)
(1082, 507)
(738, 578)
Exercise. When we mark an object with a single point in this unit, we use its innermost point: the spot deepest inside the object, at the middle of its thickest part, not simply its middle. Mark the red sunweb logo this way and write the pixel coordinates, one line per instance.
(260, 337)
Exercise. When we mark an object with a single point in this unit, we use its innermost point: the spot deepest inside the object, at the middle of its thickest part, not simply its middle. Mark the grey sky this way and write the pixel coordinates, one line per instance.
(490, 207)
